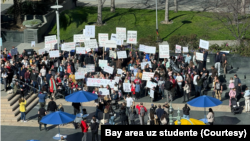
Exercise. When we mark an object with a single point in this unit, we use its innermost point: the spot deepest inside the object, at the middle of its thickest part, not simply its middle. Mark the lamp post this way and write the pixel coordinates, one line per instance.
(57, 21)
(158, 36)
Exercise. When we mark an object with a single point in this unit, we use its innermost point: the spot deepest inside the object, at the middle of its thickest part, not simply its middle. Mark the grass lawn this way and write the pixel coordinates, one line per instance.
(184, 23)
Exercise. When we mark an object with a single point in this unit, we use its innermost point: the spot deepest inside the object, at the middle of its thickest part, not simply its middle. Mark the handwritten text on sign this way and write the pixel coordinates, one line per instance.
(147, 75)
(90, 31)
(127, 87)
(122, 54)
(199, 56)
(164, 51)
(90, 68)
(103, 63)
(69, 46)
(112, 54)
(79, 75)
(177, 49)
(121, 33)
(104, 91)
(110, 44)
(204, 44)
(108, 69)
(132, 37)
(80, 50)
(53, 54)
(79, 38)
(95, 82)
(114, 38)
(50, 41)
(90, 44)
(102, 38)
(151, 85)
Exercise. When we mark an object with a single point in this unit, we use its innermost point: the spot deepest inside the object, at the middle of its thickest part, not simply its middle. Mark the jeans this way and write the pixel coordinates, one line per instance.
(217, 66)
(22, 115)
(5, 83)
(84, 136)
(39, 87)
(34, 85)
(162, 93)
(40, 126)
(199, 89)
(96, 112)
(186, 95)
(141, 119)
(1, 80)
(112, 120)
(186, 116)
(168, 95)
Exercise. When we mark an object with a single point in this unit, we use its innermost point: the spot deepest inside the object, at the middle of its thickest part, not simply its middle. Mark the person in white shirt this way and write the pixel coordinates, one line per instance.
(4, 76)
(179, 80)
(129, 100)
(43, 71)
(195, 82)
(25, 63)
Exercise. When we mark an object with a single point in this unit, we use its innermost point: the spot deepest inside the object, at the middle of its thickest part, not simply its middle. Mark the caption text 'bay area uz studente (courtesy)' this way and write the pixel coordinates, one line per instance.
(177, 132)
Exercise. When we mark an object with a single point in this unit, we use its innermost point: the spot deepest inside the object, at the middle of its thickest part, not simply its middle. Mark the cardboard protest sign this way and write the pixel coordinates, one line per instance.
(204, 44)
(80, 50)
(53, 54)
(90, 68)
(103, 63)
(132, 37)
(142, 48)
(121, 54)
(164, 51)
(177, 49)
(33, 43)
(121, 33)
(199, 56)
(127, 87)
(151, 85)
(90, 31)
(104, 91)
(108, 69)
(185, 49)
(150, 49)
(119, 71)
(147, 75)
(68, 46)
(79, 75)
(112, 54)
(143, 64)
(114, 38)
(110, 44)
(41, 51)
(50, 41)
(90, 44)
(80, 38)
(102, 38)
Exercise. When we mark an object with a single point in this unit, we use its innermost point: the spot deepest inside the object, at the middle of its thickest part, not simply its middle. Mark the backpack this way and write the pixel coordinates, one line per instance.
(142, 111)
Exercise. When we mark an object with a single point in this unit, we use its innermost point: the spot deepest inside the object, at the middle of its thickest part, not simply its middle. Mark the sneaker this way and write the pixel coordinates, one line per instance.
(25, 121)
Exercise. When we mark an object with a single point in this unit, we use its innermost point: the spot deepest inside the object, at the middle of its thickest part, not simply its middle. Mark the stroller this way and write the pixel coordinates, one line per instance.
(234, 106)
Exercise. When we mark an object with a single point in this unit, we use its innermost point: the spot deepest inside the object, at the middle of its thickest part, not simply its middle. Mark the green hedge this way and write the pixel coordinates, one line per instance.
(32, 22)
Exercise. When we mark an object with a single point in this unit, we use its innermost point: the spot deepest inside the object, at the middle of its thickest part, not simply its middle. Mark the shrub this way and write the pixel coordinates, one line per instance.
(190, 41)
(32, 22)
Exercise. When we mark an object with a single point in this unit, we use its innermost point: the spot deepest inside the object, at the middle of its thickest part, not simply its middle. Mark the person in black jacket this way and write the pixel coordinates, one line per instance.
(217, 62)
(168, 86)
(76, 107)
(94, 130)
(123, 116)
(89, 59)
(41, 114)
(33, 76)
(52, 107)
(238, 92)
(186, 110)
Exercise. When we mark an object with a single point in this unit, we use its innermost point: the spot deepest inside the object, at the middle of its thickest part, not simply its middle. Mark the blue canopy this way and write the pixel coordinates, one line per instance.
(204, 101)
(57, 118)
(81, 96)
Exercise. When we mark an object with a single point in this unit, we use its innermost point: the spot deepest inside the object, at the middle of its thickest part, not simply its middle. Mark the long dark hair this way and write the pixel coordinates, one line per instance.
(211, 110)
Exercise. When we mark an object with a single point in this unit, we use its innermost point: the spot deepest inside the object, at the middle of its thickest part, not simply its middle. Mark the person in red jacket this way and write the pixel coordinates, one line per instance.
(85, 128)
(133, 89)
(141, 112)
(172, 80)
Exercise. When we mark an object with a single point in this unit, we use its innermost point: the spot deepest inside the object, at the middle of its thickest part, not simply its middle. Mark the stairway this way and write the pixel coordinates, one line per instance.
(10, 106)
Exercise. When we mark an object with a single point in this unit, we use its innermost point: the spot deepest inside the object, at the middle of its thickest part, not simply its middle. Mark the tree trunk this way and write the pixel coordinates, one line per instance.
(243, 7)
(112, 7)
(166, 10)
(176, 6)
(18, 10)
(99, 13)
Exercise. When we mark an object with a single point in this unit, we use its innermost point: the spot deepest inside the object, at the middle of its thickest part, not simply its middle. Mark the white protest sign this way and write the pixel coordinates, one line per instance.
(117, 79)
(111, 84)
(80, 38)
(69, 46)
(102, 38)
(142, 48)
(132, 78)
(90, 68)
(127, 87)
(177, 49)
(114, 38)
(152, 92)
(149, 49)
(151, 84)
(53, 54)
(225, 51)
(122, 54)
(132, 37)
(95, 82)
(90, 44)
(110, 44)
(119, 71)
(108, 69)
(164, 51)
(41, 51)
(79, 75)
(143, 64)
(50, 41)
(147, 75)
(185, 49)
(90, 31)
(121, 33)
(199, 56)
(112, 54)
(81, 69)
(80, 50)
(104, 91)
(204, 44)
(103, 63)
(33, 43)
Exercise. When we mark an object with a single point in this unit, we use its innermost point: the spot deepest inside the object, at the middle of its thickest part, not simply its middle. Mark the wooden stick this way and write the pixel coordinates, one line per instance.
(103, 52)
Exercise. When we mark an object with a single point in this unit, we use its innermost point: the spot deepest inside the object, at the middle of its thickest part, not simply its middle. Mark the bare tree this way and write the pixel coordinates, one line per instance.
(99, 13)
(112, 6)
(166, 21)
(243, 5)
(176, 6)
(230, 15)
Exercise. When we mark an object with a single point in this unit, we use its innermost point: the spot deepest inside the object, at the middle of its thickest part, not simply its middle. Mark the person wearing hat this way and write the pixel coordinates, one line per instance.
(84, 127)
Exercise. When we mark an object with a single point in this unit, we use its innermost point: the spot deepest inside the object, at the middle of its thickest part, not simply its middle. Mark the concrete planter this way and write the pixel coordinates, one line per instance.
(32, 26)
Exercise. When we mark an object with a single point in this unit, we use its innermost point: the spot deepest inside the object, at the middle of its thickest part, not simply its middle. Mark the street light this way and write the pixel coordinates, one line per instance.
(57, 21)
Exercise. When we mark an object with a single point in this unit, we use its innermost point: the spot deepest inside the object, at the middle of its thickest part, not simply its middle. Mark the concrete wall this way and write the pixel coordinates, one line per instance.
(12, 36)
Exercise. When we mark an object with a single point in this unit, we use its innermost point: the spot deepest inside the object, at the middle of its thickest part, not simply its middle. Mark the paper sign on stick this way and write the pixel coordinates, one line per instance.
(80, 50)
(90, 31)
(108, 69)
(204, 44)
(121, 33)
(177, 49)
(80, 38)
(147, 75)
(132, 37)
(164, 51)
(199, 56)
(110, 44)
(50, 41)
(90, 44)
(102, 38)
(90, 68)
(104, 91)
(53, 54)
(79, 75)
(103, 63)
(127, 87)
(185, 49)
(121, 54)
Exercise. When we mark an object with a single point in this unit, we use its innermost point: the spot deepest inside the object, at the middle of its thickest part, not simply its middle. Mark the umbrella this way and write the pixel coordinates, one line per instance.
(57, 118)
(204, 101)
(32, 140)
(190, 121)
